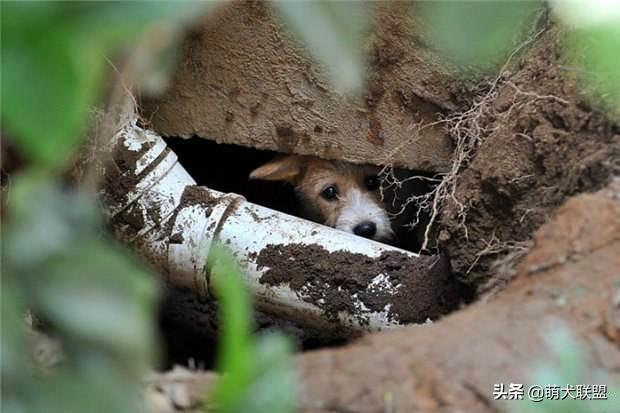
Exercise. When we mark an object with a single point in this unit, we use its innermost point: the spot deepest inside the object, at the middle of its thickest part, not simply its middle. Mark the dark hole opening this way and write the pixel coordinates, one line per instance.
(226, 168)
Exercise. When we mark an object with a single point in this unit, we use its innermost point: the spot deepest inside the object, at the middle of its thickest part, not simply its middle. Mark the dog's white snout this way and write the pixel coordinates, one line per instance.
(362, 216)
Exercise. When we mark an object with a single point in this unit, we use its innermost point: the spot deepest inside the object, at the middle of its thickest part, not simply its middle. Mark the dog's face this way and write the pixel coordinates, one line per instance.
(341, 195)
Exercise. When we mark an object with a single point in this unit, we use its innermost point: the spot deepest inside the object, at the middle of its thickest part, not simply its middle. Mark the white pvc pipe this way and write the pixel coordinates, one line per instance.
(177, 223)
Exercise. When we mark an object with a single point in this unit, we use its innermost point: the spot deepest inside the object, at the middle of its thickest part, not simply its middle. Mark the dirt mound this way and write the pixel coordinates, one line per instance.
(541, 143)
(421, 288)
(452, 365)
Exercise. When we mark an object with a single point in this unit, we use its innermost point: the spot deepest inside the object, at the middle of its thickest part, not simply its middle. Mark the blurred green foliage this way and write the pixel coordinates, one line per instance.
(478, 34)
(99, 302)
(257, 373)
(594, 45)
(596, 51)
(333, 32)
(53, 61)
(567, 367)
(57, 260)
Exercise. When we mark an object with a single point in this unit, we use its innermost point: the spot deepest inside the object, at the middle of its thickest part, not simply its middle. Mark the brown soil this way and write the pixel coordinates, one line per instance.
(543, 143)
(452, 365)
(118, 177)
(244, 80)
(193, 195)
(540, 141)
(423, 287)
(130, 221)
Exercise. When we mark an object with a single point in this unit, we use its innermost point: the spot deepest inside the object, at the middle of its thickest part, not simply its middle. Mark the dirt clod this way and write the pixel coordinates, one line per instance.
(419, 288)
(194, 195)
(539, 144)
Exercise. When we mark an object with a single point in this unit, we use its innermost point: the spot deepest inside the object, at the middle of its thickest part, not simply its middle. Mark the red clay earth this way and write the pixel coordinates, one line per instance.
(570, 276)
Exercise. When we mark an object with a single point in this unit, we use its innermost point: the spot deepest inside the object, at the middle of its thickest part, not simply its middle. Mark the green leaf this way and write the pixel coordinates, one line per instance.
(97, 299)
(333, 32)
(12, 356)
(95, 293)
(597, 49)
(45, 220)
(566, 367)
(53, 58)
(236, 353)
(56, 258)
(85, 284)
(272, 389)
(49, 85)
(115, 23)
(477, 33)
(256, 375)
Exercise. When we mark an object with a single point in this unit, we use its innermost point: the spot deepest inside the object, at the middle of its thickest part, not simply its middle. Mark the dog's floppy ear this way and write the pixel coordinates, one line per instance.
(283, 168)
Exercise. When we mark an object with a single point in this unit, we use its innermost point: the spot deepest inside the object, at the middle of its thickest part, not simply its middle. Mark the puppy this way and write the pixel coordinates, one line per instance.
(341, 195)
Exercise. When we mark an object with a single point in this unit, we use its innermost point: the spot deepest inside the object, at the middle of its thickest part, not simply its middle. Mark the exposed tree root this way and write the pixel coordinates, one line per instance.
(468, 130)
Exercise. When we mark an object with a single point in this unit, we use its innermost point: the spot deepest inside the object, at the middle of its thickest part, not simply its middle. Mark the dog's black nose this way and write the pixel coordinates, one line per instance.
(366, 229)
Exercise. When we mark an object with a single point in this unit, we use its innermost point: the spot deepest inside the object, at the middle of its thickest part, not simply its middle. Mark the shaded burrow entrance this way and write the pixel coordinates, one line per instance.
(190, 334)
(226, 168)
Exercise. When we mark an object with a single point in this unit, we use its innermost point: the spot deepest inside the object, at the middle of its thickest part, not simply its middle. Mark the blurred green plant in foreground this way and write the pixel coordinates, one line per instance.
(594, 46)
(57, 260)
(257, 372)
(333, 32)
(54, 55)
(478, 35)
(567, 367)
(96, 299)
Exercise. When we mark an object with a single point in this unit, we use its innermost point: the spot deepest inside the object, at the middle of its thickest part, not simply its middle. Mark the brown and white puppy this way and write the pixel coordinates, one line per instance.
(341, 195)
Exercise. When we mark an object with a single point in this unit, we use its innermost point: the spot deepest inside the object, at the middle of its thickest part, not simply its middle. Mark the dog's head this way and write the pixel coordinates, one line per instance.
(341, 195)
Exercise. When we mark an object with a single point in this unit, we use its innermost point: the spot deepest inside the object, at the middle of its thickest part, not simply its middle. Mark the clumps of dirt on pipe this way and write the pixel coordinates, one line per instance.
(411, 290)
(119, 178)
(195, 195)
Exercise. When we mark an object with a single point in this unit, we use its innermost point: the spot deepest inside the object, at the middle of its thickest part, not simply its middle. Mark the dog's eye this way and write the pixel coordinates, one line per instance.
(330, 193)
(372, 182)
